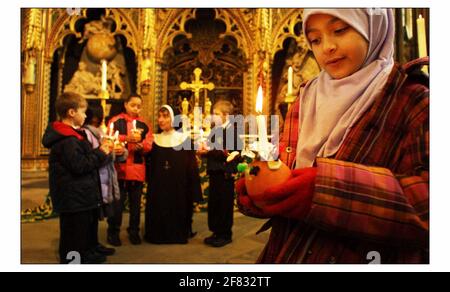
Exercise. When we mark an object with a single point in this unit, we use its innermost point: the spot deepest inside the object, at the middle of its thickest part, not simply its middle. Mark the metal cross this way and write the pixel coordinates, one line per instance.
(197, 85)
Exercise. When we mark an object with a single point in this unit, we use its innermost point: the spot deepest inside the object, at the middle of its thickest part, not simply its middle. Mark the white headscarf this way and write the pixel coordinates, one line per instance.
(329, 107)
(171, 138)
(170, 110)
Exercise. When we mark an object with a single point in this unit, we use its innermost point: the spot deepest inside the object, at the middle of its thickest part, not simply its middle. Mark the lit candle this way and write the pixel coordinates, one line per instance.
(104, 75)
(421, 37)
(261, 119)
(111, 129)
(290, 72)
(134, 125)
(116, 136)
(197, 118)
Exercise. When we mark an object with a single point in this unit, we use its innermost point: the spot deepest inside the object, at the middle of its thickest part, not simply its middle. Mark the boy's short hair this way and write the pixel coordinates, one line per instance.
(67, 101)
(224, 106)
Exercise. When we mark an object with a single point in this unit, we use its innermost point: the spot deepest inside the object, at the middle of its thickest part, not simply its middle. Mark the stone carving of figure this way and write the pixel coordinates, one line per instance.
(208, 105)
(84, 82)
(297, 77)
(30, 70)
(96, 27)
(185, 106)
(146, 66)
(115, 72)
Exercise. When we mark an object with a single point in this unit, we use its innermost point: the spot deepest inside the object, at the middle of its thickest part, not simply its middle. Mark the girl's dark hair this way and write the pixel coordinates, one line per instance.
(94, 111)
(120, 108)
(129, 97)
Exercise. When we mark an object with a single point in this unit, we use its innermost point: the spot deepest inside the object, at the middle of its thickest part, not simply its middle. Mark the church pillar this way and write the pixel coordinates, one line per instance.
(262, 60)
(158, 96)
(248, 77)
(29, 126)
(149, 77)
(35, 92)
(35, 109)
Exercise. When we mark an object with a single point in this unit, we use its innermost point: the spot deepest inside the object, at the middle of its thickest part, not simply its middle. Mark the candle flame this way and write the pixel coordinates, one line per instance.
(259, 100)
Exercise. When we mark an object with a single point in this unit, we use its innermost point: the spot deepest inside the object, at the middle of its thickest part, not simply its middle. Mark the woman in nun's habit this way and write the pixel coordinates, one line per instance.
(173, 184)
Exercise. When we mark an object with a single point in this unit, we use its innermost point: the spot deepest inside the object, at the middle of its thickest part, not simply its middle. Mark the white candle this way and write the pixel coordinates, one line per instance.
(259, 100)
(261, 119)
(290, 72)
(104, 75)
(116, 136)
(197, 118)
(134, 125)
(111, 129)
(421, 37)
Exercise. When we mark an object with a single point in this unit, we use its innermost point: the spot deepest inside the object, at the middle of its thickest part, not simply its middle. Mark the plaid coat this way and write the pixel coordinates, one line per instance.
(373, 195)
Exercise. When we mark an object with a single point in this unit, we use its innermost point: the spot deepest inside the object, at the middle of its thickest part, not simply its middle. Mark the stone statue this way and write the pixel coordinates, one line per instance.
(84, 82)
(208, 106)
(185, 106)
(95, 27)
(115, 73)
(30, 70)
(146, 66)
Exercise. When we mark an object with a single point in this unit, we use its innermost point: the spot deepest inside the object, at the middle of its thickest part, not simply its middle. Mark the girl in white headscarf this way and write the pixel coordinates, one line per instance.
(168, 137)
(356, 61)
(357, 137)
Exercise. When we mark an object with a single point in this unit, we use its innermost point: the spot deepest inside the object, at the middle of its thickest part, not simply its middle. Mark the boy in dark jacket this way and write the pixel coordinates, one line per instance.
(74, 180)
(221, 179)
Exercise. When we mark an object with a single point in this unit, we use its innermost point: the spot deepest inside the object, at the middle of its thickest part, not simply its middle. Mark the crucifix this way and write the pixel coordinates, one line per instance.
(197, 85)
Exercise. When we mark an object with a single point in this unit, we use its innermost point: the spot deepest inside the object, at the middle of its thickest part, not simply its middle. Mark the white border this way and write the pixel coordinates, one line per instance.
(10, 170)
